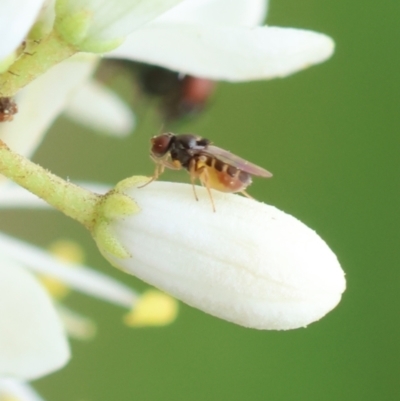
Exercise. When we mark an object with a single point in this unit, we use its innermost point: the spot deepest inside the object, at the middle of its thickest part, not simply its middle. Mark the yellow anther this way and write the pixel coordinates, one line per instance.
(154, 308)
(8, 397)
(76, 325)
(66, 251)
(57, 289)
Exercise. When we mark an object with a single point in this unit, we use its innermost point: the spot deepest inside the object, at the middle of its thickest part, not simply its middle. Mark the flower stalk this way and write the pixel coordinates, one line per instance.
(34, 61)
(74, 201)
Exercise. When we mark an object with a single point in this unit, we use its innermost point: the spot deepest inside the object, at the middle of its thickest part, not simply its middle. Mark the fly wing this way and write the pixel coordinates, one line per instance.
(236, 161)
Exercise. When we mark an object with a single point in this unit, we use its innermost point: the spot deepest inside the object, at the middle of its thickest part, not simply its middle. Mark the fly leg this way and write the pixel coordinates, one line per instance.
(246, 195)
(204, 180)
(160, 167)
(202, 174)
(193, 172)
(157, 172)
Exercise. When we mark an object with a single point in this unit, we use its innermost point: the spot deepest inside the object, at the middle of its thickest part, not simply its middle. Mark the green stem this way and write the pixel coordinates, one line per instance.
(74, 201)
(42, 55)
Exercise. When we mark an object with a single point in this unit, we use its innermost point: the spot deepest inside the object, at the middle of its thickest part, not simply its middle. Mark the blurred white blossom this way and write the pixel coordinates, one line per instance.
(16, 390)
(32, 339)
(215, 39)
(14, 24)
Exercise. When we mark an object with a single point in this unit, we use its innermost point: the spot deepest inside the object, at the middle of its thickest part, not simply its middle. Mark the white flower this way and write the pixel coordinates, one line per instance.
(32, 340)
(216, 39)
(248, 263)
(100, 109)
(25, 307)
(13, 390)
(65, 87)
(14, 24)
(46, 348)
(222, 40)
(41, 101)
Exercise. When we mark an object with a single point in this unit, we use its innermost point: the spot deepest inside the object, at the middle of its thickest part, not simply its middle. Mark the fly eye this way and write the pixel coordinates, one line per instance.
(160, 145)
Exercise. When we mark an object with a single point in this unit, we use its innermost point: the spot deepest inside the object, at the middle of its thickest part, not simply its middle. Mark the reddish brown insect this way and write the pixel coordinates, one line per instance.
(216, 168)
(8, 108)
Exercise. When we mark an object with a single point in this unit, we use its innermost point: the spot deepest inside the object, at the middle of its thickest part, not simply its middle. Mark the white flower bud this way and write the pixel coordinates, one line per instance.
(248, 263)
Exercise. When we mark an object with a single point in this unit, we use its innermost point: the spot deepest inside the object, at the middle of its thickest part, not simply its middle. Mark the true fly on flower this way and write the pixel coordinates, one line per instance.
(177, 96)
(216, 168)
(180, 96)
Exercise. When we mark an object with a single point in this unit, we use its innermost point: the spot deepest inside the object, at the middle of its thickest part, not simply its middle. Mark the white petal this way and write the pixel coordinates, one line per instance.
(32, 339)
(76, 325)
(45, 21)
(42, 101)
(16, 19)
(116, 19)
(248, 262)
(79, 277)
(101, 109)
(218, 12)
(13, 196)
(17, 390)
(232, 54)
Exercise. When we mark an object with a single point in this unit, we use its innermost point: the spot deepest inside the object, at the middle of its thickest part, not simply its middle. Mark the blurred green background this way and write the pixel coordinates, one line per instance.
(330, 135)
